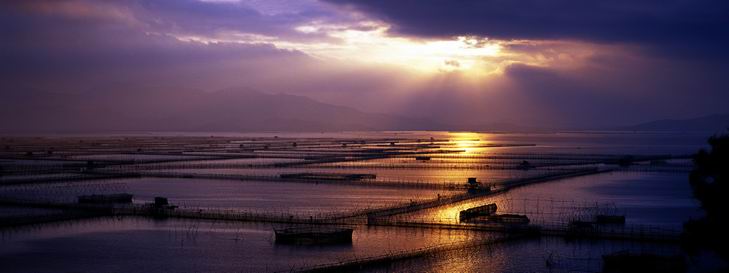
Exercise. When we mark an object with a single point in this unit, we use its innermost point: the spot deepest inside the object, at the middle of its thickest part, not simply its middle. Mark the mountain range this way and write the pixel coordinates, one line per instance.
(233, 110)
(708, 123)
(176, 109)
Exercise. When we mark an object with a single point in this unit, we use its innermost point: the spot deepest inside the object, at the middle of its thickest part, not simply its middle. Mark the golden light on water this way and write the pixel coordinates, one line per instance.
(467, 141)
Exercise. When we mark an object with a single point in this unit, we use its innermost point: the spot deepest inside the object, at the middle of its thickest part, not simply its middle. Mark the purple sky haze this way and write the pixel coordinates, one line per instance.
(556, 63)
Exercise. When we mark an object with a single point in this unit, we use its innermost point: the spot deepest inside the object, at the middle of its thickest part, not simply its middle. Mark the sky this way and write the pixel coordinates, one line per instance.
(539, 63)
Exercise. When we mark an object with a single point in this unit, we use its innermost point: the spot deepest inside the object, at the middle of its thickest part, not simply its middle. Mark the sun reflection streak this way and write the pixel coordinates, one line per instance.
(467, 141)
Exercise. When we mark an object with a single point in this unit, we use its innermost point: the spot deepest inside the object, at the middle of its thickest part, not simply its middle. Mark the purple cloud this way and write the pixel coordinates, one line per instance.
(675, 25)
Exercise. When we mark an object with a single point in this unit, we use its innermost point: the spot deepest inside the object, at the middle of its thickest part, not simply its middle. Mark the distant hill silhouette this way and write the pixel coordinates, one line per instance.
(124, 108)
(705, 123)
(176, 109)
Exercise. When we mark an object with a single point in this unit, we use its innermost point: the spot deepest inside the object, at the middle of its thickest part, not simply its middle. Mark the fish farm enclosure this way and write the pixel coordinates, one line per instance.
(345, 202)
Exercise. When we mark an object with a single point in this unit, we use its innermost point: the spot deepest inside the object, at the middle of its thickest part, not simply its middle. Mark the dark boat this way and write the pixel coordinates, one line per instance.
(473, 186)
(328, 176)
(509, 219)
(314, 235)
(504, 219)
(484, 210)
(525, 165)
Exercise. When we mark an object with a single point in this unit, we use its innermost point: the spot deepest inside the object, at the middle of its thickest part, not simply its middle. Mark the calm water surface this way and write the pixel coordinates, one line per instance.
(146, 245)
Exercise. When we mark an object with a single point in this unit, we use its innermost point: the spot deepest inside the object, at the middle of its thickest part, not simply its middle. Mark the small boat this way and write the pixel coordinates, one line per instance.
(484, 210)
(525, 165)
(328, 176)
(314, 235)
(473, 186)
(509, 219)
(504, 219)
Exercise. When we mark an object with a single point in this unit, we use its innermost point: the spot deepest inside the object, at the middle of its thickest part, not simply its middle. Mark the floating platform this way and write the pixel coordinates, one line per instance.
(328, 176)
(314, 235)
(509, 219)
(485, 210)
(504, 219)
(119, 198)
(475, 187)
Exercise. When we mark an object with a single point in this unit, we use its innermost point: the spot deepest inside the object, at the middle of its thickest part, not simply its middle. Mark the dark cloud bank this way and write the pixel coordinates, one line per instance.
(674, 63)
(665, 24)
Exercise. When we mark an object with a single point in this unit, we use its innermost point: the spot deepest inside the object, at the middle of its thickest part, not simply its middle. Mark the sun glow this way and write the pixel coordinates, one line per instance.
(371, 44)
(461, 53)
(469, 142)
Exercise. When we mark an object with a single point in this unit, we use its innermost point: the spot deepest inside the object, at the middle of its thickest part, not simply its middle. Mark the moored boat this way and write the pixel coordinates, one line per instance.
(484, 210)
(314, 235)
